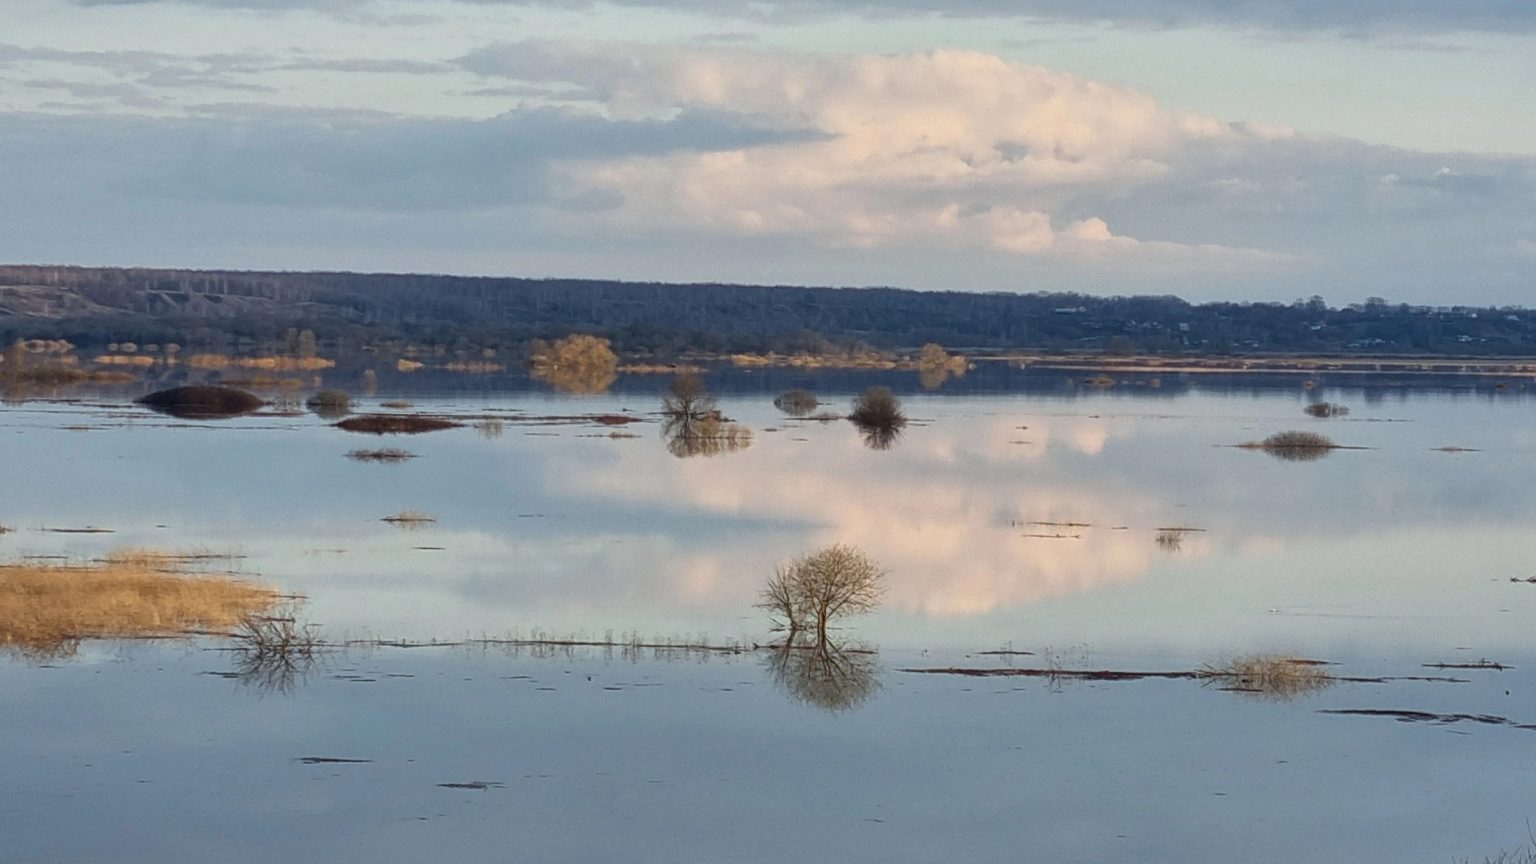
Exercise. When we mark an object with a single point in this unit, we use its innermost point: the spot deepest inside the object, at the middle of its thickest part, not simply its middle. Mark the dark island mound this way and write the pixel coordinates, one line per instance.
(201, 402)
(396, 424)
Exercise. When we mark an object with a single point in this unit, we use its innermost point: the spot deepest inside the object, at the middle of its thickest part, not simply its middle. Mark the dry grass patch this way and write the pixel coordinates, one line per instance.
(46, 610)
(277, 364)
(1269, 676)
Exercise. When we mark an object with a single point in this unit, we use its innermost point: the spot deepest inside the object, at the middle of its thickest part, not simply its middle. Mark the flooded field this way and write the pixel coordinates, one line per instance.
(1106, 630)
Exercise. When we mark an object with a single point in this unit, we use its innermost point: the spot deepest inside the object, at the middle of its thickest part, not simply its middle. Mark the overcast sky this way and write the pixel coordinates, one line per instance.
(1215, 149)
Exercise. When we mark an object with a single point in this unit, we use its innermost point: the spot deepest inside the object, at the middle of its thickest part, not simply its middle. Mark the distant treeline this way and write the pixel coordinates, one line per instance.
(94, 306)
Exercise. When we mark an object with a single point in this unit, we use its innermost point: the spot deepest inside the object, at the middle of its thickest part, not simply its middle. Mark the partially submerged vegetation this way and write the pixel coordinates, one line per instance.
(1327, 409)
(273, 651)
(878, 415)
(410, 519)
(803, 599)
(812, 591)
(1294, 446)
(395, 424)
(330, 404)
(579, 363)
(201, 402)
(382, 454)
(1269, 676)
(47, 610)
(796, 402)
(935, 366)
(693, 426)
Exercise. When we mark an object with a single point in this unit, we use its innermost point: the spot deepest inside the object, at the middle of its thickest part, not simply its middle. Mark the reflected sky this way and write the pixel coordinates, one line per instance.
(140, 758)
(1023, 519)
(1029, 521)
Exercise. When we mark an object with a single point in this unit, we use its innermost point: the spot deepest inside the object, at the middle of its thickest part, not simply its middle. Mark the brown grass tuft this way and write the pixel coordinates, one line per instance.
(48, 610)
(1269, 676)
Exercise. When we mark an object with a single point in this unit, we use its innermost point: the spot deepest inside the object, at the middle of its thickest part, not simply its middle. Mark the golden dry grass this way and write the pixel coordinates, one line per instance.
(475, 367)
(1270, 676)
(410, 519)
(277, 364)
(133, 593)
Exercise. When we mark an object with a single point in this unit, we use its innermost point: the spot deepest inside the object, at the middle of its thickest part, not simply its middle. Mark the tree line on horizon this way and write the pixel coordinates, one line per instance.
(94, 306)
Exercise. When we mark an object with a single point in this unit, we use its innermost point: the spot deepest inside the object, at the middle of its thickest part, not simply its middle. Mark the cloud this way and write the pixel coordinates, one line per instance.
(945, 149)
(946, 169)
(361, 160)
(1355, 18)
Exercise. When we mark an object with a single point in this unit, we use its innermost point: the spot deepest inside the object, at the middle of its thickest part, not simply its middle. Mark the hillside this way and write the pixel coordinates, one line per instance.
(99, 305)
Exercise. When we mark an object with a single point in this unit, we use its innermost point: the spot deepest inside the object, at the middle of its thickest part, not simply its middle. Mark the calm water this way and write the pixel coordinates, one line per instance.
(1023, 517)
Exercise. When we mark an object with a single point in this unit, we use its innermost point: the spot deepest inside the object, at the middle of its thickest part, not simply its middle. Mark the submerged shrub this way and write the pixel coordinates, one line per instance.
(330, 403)
(383, 454)
(797, 402)
(1327, 409)
(201, 401)
(877, 406)
(1269, 676)
(1294, 446)
(395, 424)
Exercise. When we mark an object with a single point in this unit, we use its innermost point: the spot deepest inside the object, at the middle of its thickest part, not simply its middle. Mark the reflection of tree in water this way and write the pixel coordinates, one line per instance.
(706, 436)
(803, 599)
(694, 426)
(932, 379)
(935, 366)
(578, 380)
(824, 674)
(879, 437)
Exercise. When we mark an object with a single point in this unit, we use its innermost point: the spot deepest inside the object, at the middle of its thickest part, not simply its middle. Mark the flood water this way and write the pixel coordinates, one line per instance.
(1030, 516)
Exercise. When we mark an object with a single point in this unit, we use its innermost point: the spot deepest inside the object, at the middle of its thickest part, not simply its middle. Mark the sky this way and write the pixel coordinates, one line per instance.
(1212, 149)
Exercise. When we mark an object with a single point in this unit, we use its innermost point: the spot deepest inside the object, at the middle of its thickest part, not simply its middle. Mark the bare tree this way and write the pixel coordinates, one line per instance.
(816, 589)
(687, 399)
(694, 425)
(781, 599)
